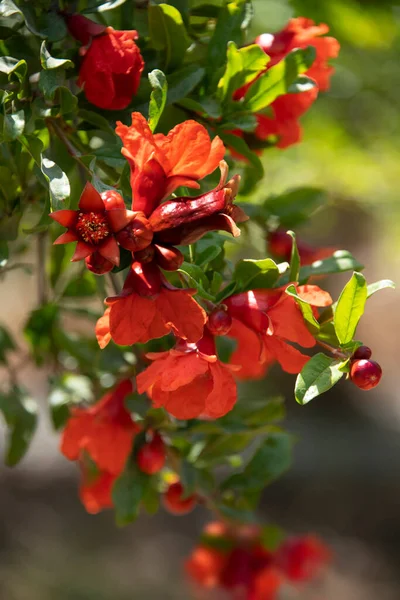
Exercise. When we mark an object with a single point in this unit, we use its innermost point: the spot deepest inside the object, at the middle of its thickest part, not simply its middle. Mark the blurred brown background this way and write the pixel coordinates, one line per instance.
(345, 483)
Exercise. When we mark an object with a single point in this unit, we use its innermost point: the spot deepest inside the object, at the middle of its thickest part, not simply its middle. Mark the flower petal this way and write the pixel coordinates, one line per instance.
(66, 237)
(248, 353)
(224, 393)
(110, 250)
(290, 359)
(102, 329)
(66, 218)
(82, 250)
(90, 200)
(181, 313)
(314, 295)
(188, 401)
(130, 318)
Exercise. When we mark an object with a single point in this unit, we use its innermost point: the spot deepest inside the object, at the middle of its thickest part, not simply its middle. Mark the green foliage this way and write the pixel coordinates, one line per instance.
(20, 414)
(318, 376)
(350, 307)
(158, 97)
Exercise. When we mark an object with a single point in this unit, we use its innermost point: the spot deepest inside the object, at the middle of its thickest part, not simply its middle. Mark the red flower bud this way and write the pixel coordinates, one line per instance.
(169, 259)
(83, 29)
(111, 69)
(98, 264)
(151, 457)
(363, 352)
(219, 321)
(174, 503)
(365, 374)
(146, 255)
(137, 235)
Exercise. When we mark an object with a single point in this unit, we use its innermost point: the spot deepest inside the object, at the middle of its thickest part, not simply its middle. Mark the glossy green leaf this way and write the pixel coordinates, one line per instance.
(243, 66)
(49, 62)
(228, 29)
(167, 33)
(59, 186)
(278, 79)
(240, 146)
(350, 307)
(379, 285)
(12, 67)
(20, 414)
(13, 125)
(158, 97)
(197, 279)
(183, 82)
(127, 494)
(295, 206)
(320, 374)
(255, 274)
(306, 310)
(339, 262)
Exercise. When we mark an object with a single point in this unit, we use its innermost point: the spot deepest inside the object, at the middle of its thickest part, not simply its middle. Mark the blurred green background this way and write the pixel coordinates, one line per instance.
(345, 483)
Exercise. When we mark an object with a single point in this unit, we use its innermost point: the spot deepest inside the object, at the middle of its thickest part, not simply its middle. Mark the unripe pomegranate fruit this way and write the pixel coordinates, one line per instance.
(151, 456)
(365, 374)
(363, 352)
(98, 264)
(174, 503)
(219, 321)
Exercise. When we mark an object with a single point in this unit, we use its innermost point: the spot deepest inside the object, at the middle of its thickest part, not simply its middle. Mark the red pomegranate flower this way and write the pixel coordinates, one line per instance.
(265, 323)
(185, 220)
(189, 381)
(112, 64)
(105, 431)
(288, 108)
(93, 225)
(149, 307)
(159, 164)
(302, 558)
(298, 33)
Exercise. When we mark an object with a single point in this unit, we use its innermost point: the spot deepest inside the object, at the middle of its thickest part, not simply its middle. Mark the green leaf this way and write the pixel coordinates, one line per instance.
(350, 307)
(103, 6)
(13, 67)
(272, 537)
(50, 81)
(294, 259)
(196, 278)
(48, 62)
(306, 310)
(269, 462)
(320, 374)
(255, 274)
(158, 97)
(188, 478)
(167, 32)
(380, 285)
(239, 145)
(243, 66)
(294, 206)
(278, 79)
(20, 414)
(7, 344)
(127, 494)
(339, 262)
(228, 28)
(59, 186)
(302, 83)
(183, 81)
(13, 126)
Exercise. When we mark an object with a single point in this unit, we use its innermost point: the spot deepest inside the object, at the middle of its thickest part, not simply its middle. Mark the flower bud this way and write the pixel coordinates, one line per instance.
(137, 235)
(112, 199)
(175, 503)
(169, 259)
(219, 321)
(96, 263)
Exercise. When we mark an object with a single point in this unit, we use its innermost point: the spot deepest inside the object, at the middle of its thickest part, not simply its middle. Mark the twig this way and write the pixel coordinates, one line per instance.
(41, 268)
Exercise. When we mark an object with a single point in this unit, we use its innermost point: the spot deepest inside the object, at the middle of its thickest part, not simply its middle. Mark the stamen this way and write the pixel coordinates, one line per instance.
(92, 227)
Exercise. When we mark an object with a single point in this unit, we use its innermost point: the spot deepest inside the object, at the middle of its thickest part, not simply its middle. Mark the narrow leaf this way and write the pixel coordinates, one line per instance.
(380, 285)
(294, 259)
(350, 307)
(59, 186)
(158, 97)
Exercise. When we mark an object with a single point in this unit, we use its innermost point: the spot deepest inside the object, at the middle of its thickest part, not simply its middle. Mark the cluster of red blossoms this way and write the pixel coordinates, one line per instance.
(283, 122)
(112, 66)
(235, 560)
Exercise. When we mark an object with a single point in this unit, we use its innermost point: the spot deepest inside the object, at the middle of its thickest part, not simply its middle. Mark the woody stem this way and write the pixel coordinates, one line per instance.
(332, 350)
